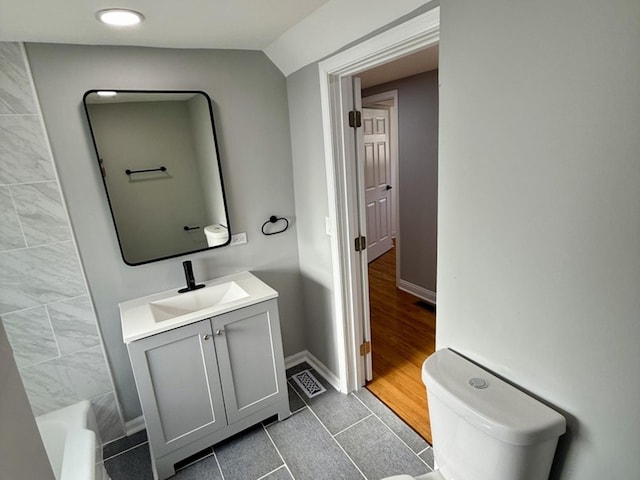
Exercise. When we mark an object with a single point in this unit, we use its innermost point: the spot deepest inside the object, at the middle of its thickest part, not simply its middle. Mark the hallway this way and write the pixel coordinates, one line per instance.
(403, 331)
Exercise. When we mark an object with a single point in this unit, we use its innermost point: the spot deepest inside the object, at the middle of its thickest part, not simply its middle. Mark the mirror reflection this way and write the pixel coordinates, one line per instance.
(158, 155)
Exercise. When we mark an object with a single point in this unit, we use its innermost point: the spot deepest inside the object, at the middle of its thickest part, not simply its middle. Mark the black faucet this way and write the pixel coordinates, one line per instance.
(191, 282)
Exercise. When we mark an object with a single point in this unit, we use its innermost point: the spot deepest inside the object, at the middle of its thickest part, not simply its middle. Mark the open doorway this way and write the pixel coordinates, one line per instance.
(400, 157)
(339, 106)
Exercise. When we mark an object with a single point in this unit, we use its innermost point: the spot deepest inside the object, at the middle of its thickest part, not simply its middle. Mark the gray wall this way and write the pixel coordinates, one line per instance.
(250, 108)
(309, 171)
(44, 303)
(539, 218)
(417, 175)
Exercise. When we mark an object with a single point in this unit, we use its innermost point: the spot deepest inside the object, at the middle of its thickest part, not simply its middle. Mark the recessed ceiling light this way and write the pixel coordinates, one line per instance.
(119, 17)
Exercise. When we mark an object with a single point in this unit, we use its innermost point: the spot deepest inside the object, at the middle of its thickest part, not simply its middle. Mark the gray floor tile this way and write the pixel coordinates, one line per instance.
(406, 433)
(280, 474)
(248, 455)
(378, 452)
(336, 410)
(205, 469)
(295, 402)
(427, 456)
(309, 451)
(135, 463)
(124, 443)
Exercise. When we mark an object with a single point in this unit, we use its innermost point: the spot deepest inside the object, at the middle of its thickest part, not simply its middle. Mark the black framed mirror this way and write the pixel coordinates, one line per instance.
(158, 156)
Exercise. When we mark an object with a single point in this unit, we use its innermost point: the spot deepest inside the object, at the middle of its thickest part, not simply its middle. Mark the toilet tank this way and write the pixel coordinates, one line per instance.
(484, 428)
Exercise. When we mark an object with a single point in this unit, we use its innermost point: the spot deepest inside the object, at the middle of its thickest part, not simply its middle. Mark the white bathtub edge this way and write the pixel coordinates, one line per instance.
(71, 441)
(79, 462)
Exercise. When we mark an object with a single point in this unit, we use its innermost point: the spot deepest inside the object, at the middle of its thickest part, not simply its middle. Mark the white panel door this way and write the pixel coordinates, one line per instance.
(377, 181)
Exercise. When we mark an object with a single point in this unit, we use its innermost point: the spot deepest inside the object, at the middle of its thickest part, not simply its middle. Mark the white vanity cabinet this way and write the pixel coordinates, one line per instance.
(203, 382)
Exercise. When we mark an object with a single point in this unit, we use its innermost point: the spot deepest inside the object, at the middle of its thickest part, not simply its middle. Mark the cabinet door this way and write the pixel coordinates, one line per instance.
(177, 377)
(250, 358)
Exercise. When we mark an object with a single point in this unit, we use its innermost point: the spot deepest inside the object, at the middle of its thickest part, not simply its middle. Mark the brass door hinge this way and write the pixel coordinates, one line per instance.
(365, 348)
(355, 119)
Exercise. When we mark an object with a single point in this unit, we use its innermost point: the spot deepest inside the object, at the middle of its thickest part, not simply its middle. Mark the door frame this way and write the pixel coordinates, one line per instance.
(350, 296)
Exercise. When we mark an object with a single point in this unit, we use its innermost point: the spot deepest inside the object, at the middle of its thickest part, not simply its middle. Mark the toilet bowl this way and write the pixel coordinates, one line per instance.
(484, 428)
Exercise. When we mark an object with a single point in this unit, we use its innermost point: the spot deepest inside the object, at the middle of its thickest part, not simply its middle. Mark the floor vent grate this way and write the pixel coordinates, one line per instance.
(308, 383)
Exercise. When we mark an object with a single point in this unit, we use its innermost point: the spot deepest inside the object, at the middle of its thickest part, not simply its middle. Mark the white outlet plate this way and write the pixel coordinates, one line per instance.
(238, 239)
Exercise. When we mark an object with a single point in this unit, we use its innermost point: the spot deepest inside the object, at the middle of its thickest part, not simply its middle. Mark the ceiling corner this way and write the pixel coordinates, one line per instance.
(332, 26)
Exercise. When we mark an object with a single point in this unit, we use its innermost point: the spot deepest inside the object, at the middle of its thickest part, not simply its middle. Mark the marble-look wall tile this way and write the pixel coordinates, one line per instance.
(65, 380)
(15, 88)
(30, 335)
(10, 232)
(41, 213)
(46, 388)
(43, 295)
(39, 275)
(24, 156)
(109, 423)
(74, 324)
(86, 372)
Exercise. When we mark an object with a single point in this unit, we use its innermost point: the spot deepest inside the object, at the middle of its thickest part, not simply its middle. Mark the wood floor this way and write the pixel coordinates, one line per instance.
(403, 335)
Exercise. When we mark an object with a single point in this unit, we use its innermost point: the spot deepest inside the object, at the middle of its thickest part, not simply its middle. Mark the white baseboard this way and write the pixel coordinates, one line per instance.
(306, 356)
(134, 426)
(420, 292)
(295, 359)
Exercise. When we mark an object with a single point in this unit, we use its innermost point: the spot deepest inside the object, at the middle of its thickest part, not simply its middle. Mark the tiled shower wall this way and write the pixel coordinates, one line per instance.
(44, 301)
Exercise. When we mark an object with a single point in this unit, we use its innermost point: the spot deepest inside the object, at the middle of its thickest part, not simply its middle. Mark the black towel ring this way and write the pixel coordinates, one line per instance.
(274, 219)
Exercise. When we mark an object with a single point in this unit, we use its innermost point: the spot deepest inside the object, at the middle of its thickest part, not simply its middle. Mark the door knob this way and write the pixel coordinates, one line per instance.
(219, 332)
(206, 337)
(389, 187)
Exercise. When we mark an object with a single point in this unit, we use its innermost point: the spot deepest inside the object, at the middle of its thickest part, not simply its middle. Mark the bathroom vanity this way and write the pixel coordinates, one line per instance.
(207, 363)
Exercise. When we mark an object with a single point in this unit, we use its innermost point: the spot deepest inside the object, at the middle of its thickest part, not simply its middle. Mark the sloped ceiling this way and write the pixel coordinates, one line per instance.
(234, 24)
(293, 33)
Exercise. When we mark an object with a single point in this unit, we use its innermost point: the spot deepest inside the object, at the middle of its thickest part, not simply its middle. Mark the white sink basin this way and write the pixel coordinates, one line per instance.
(196, 300)
(157, 313)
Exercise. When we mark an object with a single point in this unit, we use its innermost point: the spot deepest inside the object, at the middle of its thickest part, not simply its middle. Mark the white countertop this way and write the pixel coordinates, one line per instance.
(139, 322)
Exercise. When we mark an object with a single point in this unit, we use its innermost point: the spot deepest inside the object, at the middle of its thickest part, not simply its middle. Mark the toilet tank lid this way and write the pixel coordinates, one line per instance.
(491, 404)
